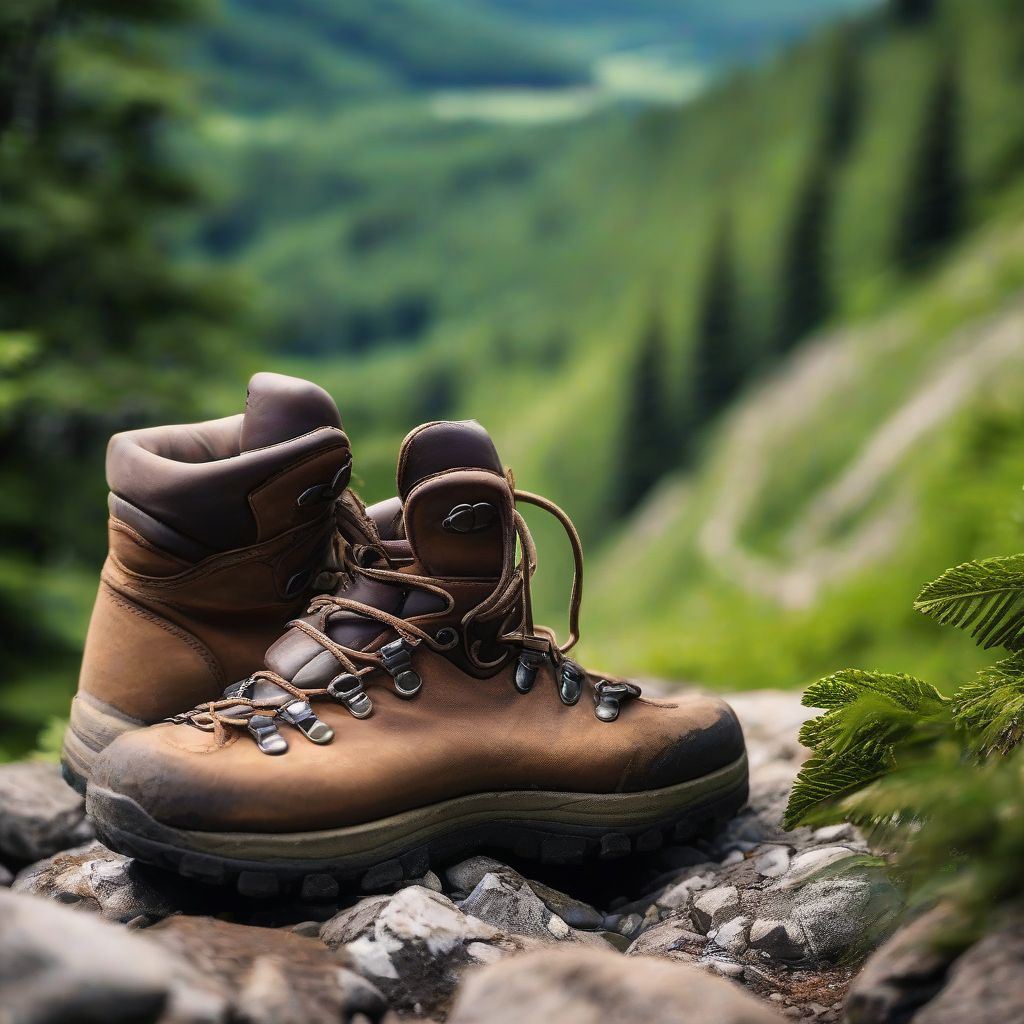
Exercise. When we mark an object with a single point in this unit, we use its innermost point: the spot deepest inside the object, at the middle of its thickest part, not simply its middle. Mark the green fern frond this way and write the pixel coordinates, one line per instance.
(868, 714)
(986, 597)
(991, 708)
(824, 781)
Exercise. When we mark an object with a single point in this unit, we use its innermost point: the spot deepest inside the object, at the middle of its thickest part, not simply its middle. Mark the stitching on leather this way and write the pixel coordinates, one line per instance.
(176, 631)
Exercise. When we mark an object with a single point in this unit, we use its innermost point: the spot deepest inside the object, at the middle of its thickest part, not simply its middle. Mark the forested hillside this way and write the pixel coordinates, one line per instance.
(627, 294)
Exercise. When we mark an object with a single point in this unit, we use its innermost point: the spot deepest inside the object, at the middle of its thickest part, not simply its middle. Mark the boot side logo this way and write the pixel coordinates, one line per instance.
(470, 518)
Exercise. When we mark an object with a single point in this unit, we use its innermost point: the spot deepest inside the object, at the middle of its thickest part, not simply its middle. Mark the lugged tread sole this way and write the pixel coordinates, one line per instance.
(120, 823)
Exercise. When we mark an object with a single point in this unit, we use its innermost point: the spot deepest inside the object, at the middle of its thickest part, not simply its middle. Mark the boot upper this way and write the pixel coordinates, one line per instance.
(419, 678)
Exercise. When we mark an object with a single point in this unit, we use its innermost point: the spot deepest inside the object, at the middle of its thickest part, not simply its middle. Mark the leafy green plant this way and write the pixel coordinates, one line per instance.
(935, 780)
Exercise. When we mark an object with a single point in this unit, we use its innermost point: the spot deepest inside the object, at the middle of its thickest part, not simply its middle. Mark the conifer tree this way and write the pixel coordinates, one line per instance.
(841, 112)
(804, 292)
(718, 359)
(932, 207)
(649, 435)
(912, 12)
(101, 324)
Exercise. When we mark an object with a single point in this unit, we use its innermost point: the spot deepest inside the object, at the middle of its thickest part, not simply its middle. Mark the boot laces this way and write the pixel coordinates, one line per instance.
(509, 603)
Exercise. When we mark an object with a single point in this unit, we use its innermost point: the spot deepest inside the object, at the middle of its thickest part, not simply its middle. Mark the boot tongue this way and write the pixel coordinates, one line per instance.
(278, 408)
(448, 444)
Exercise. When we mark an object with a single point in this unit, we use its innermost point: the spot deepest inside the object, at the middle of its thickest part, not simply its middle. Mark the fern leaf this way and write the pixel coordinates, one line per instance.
(991, 708)
(823, 781)
(986, 597)
(867, 714)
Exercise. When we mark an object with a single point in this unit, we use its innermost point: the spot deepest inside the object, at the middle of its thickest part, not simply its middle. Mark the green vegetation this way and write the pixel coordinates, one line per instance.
(935, 779)
(99, 326)
(623, 298)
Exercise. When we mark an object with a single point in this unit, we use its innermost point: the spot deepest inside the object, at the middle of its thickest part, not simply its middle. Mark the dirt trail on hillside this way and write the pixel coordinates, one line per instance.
(816, 379)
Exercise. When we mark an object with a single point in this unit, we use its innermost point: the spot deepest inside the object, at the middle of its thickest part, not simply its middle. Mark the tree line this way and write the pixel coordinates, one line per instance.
(662, 431)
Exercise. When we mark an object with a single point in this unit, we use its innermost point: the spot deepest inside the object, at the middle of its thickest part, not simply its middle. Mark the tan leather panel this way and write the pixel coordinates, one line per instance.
(460, 735)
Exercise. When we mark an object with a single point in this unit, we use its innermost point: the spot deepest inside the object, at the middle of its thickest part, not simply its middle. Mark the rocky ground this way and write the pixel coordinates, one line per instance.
(749, 924)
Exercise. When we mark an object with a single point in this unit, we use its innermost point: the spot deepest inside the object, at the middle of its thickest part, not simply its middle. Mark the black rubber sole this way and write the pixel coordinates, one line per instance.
(77, 782)
(322, 881)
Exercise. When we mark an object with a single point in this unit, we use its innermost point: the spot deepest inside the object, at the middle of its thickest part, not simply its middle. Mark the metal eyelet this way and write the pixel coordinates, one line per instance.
(570, 683)
(609, 696)
(529, 663)
(446, 636)
(298, 583)
(300, 714)
(467, 518)
(398, 661)
(347, 689)
(264, 731)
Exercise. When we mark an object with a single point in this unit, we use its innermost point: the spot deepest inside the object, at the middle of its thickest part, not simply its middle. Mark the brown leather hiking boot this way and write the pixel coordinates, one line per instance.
(216, 532)
(417, 713)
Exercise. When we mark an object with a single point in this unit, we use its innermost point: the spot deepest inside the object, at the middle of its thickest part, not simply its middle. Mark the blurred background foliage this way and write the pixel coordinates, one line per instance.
(738, 283)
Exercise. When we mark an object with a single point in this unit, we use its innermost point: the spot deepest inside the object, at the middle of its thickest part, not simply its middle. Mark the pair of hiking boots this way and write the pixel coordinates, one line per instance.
(386, 657)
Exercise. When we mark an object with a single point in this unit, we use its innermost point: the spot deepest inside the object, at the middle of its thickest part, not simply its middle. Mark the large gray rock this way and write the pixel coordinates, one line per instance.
(905, 973)
(95, 878)
(985, 984)
(39, 813)
(270, 975)
(58, 966)
(590, 986)
(415, 944)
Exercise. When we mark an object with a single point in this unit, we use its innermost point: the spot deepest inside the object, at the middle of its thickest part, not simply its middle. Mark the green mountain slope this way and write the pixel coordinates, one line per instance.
(261, 55)
(865, 463)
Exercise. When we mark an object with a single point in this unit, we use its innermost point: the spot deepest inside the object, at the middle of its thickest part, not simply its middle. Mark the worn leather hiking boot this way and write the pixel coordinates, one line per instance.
(216, 533)
(416, 713)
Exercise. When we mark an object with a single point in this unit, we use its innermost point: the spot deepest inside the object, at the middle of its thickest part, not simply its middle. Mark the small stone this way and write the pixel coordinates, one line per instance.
(680, 895)
(630, 925)
(781, 940)
(310, 929)
(5, 877)
(715, 906)
(40, 814)
(727, 968)
(773, 862)
(732, 936)
(733, 857)
(465, 876)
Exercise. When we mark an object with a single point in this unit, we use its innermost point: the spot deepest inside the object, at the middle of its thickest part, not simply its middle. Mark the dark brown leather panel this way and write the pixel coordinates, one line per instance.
(447, 444)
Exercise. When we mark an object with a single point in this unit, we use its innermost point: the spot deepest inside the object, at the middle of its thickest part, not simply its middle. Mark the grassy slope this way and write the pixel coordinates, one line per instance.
(691, 617)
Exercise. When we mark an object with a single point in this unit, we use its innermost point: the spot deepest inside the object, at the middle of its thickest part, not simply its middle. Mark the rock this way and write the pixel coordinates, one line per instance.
(6, 878)
(733, 935)
(39, 813)
(781, 940)
(986, 983)
(673, 938)
(270, 976)
(95, 878)
(680, 895)
(56, 966)
(905, 973)
(810, 862)
(773, 862)
(715, 907)
(589, 986)
(507, 902)
(464, 877)
(845, 917)
(415, 945)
